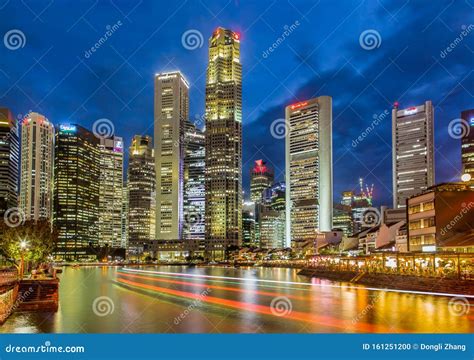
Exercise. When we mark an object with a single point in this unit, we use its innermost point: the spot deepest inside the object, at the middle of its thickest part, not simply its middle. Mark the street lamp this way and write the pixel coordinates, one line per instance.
(23, 245)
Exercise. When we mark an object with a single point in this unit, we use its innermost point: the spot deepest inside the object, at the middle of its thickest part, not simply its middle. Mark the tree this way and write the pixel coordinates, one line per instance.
(37, 236)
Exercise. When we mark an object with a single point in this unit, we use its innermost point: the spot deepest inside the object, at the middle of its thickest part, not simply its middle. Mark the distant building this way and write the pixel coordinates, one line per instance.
(278, 196)
(272, 229)
(248, 228)
(141, 193)
(111, 191)
(441, 218)
(342, 219)
(261, 178)
(308, 170)
(467, 145)
(9, 161)
(37, 157)
(76, 192)
(412, 151)
(125, 200)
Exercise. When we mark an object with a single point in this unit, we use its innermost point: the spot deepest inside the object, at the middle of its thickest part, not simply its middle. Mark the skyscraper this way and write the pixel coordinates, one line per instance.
(171, 112)
(223, 143)
(412, 151)
(467, 144)
(76, 191)
(8, 161)
(124, 244)
(261, 178)
(308, 170)
(194, 183)
(37, 153)
(111, 189)
(141, 192)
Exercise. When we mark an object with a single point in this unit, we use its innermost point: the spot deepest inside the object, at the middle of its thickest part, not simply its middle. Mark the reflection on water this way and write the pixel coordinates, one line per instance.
(175, 299)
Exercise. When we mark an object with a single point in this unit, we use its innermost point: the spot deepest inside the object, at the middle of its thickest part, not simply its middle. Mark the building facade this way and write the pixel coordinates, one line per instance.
(141, 181)
(36, 172)
(9, 161)
(412, 151)
(111, 191)
(223, 143)
(467, 145)
(124, 244)
(309, 190)
(171, 113)
(76, 192)
(261, 178)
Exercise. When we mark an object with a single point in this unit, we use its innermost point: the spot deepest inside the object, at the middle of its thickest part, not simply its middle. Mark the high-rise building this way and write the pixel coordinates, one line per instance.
(111, 189)
(9, 153)
(467, 145)
(223, 143)
(124, 244)
(171, 112)
(76, 191)
(249, 224)
(272, 229)
(141, 193)
(37, 155)
(308, 170)
(261, 178)
(342, 219)
(412, 151)
(194, 183)
(278, 196)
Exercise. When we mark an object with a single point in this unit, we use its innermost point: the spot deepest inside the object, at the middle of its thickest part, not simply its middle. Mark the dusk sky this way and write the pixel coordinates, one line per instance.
(51, 73)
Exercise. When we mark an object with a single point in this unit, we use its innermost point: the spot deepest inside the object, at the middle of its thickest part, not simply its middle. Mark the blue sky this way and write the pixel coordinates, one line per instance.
(322, 56)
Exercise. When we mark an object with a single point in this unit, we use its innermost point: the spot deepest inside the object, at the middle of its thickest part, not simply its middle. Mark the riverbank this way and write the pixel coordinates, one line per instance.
(396, 282)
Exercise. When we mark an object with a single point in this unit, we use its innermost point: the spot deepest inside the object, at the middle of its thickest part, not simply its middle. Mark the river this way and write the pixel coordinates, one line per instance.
(175, 299)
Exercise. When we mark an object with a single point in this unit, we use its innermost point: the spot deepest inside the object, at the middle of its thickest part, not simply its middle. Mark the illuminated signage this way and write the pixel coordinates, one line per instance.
(410, 111)
(67, 128)
(298, 105)
(428, 248)
(471, 121)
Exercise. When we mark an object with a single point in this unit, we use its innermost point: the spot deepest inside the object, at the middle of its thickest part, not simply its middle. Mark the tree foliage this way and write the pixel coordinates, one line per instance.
(40, 241)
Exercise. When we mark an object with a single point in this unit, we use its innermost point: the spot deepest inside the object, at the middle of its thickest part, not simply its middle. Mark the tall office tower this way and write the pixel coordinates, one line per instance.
(124, 244)
(141, 193)
(111, 190)
(347, 198)
(249, 224)
(194, 182)
(342, 219)
(412, 151)
(9, 149)
(37, 155)
(278, 196)
(308, 170)
(171, 112)
(76, 191)
(261, 178)
(223, 143)
(467, 144)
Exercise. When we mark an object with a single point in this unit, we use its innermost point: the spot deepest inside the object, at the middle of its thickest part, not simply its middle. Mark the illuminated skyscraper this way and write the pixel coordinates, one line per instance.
(171, 112)
(223, 143)
(467, 144)
(308, 170)
(111, 188)
(261, 178)
(194, 183)
(37, 155)
(76, 191)
(124, 244)
(9, 153)
(141, 192)
(412, 151)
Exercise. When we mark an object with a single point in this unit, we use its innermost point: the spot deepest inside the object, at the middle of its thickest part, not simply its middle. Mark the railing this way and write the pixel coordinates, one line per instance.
(8, 276)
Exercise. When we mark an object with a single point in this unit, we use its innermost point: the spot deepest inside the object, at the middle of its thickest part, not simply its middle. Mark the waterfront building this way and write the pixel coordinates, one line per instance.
(111, 191)
(261, 178)
(76, 192)
(125, 201)
(223, 143)
(141, 182)
(194, 183)
(272, 229)
(440, 219)
(467, 146)
(36, 172)
(412, 151)
(9, 161)
(308, 170)
(171, 113)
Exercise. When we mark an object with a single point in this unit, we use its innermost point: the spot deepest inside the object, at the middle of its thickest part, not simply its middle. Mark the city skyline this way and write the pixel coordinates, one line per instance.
(410, 70)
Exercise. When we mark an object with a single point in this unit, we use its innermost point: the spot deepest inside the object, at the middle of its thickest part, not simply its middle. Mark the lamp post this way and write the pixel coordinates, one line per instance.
(23, 246)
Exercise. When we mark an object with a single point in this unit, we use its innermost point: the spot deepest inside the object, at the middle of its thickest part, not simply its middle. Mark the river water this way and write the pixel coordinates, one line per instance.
(174, 299)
